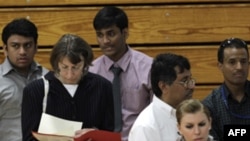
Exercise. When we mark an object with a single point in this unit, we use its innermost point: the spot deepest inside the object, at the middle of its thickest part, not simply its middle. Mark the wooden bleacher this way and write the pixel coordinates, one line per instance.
(193, 28)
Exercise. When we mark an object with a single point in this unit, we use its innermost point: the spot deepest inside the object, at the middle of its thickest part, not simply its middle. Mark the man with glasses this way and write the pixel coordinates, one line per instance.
(172, 83)
(230, 102)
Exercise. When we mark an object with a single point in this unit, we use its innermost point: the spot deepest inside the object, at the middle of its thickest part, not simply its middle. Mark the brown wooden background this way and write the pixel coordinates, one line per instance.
(193, 28)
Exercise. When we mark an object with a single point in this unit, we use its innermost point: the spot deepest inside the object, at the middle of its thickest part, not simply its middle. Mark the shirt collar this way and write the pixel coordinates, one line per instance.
(123, 62)
(228, 93)
(224, 90)
(165, 107)
(7, 67)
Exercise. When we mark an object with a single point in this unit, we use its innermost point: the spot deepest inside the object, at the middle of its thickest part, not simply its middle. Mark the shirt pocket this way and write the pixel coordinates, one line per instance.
(135, 99)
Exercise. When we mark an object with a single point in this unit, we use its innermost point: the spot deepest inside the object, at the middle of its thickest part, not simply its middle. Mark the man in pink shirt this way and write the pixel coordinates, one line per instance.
(111, 26)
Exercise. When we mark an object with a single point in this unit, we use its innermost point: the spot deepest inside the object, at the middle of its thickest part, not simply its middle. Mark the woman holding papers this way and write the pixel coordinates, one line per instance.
(68, 92)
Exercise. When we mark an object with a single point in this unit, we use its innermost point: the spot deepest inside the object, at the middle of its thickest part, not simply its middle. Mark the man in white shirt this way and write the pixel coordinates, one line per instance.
(172, 83)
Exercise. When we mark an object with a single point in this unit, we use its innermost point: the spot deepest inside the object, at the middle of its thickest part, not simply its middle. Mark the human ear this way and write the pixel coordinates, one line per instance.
(219, 65)
(125, 33)
(179, 129)
(5, 50)
(161, 85)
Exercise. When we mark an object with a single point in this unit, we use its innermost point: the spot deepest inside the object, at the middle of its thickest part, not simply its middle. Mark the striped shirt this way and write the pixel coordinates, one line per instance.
(92, 103)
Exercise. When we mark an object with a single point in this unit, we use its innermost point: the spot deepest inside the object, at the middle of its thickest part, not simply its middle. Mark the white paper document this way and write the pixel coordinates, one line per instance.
(53, 125)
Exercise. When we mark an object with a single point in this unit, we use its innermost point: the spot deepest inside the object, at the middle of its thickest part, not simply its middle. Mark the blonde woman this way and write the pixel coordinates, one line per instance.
(194, 121)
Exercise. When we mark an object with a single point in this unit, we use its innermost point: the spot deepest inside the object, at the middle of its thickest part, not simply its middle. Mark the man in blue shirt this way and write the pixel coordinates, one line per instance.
(230, 102)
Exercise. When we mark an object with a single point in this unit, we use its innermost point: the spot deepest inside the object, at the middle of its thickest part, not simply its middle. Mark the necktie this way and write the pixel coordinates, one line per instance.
(117, 98)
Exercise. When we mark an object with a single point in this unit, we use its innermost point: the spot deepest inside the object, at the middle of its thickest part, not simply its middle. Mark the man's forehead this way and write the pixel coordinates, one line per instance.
(19, 38)
(234, 53)
(107, 29)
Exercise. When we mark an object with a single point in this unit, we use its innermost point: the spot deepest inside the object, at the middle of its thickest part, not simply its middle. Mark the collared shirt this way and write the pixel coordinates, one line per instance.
(157, 122)
(136, 91)
(221, 115)
(11, 90)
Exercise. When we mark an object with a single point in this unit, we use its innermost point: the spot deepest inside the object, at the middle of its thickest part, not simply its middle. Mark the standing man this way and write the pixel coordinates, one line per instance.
(172, 83)
(111, 26)
(230, 102)
(18, 69)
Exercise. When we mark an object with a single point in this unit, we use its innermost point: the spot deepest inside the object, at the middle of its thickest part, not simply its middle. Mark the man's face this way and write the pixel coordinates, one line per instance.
(178, 91)
(112, 41)
(235, 66)
(21, 51)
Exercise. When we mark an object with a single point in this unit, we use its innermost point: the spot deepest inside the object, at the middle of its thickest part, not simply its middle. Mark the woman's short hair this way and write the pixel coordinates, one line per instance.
(73, 47)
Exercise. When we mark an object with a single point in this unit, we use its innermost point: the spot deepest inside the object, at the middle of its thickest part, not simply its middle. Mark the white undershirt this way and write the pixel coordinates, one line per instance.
(71, 88)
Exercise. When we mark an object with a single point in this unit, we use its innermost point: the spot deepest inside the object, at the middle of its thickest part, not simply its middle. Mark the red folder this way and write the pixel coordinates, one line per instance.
(94, 135)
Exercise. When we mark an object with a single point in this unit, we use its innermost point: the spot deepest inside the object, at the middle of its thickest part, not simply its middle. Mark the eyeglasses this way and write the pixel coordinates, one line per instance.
(188, 84)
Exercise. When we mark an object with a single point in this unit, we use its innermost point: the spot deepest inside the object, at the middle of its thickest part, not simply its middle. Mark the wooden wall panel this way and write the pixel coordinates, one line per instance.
(148, 24)
(102, 2)
(203, 60)
(188, 27)
(200, 92)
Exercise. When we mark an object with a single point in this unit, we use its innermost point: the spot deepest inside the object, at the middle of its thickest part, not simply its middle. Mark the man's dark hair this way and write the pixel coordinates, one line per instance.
(230, 43)
(163, 69)
(109, 16)
(20, 26)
